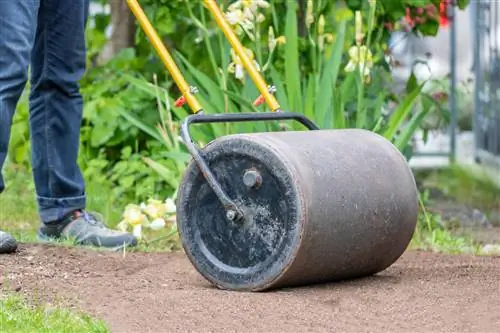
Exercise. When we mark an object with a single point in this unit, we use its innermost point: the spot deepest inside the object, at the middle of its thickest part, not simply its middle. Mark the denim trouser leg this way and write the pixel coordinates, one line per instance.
(17, 34)
(57, 64)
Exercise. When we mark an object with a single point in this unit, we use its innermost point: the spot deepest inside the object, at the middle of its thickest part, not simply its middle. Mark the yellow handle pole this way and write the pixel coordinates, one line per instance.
(238, 48)
(164, 55)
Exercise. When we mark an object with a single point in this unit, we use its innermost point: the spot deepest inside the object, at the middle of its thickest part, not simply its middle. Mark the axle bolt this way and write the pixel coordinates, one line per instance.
(252, 179)
(231, 215)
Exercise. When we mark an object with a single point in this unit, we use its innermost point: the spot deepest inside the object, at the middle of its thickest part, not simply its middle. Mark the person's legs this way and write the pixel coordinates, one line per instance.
(57, 64)
(17, 33)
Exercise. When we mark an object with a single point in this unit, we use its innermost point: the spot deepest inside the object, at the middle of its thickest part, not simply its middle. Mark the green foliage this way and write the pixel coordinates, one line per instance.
(113, 147)
(18, 315)
(325, 93)
(19, 146)
(130, 126)
(122, 142)
(431, 234)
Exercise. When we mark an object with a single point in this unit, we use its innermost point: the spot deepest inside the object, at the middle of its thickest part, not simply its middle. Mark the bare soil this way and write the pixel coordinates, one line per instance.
(162, 292)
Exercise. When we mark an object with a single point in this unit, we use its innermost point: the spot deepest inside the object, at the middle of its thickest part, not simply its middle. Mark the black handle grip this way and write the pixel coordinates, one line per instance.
(249, 116)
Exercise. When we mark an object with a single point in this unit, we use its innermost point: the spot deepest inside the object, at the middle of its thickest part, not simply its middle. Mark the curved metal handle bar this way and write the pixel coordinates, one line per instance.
(248, 116)
(233, 212)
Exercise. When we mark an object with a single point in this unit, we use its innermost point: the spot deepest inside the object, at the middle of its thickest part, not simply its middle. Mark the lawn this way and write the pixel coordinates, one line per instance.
(17, 315)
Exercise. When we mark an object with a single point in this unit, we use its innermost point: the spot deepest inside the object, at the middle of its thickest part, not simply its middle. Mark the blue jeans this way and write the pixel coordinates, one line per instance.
(47, 36)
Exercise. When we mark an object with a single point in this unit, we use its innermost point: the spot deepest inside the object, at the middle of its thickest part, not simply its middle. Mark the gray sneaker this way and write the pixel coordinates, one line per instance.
(86, 230)
(8, 243)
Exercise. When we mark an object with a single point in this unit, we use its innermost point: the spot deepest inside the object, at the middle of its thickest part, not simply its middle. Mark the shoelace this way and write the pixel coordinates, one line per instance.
(93, 218)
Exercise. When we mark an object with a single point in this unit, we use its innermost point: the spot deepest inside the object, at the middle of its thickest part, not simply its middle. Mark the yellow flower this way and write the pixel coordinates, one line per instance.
(272, 41)
(360, 56)
(281, 40)
(236, 66)
(133, 215)
(155, 209)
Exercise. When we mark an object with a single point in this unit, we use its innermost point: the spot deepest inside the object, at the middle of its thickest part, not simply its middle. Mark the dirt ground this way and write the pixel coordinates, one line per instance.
(421, 292)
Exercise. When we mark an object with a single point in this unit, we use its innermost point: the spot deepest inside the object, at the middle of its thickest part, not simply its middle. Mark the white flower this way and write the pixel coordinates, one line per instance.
(239, 21)
(170, 207)
(243, 15)
(360, 56)
(236, 66)
(158, 224)
(137, 231)
(251, 5)
(235, 17)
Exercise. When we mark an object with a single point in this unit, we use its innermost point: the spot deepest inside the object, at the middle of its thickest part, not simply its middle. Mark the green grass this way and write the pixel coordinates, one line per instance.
(17, 315)
(19, 216)
(461, 185)
(430, 235)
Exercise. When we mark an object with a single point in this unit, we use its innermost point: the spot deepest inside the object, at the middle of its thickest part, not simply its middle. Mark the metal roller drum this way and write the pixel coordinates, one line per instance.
(267, 210)
(319, 206)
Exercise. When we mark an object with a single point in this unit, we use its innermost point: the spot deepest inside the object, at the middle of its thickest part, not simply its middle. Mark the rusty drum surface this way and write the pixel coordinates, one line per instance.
(319, 206)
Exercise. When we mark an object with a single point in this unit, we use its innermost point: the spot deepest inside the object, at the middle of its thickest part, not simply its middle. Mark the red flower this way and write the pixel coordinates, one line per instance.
(408, 17)
(443, 13)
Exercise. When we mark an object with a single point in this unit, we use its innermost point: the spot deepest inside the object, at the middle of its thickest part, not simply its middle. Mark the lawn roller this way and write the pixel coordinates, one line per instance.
(266, 210)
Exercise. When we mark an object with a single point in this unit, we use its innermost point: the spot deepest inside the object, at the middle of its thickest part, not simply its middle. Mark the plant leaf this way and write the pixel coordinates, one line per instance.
(139, 124)
(292, 55)
(401, 113)
(329, 76)
(169, 176)
(405, 136)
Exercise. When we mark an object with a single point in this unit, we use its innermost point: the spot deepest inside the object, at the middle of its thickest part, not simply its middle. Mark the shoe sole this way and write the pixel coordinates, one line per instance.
(49, 240)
